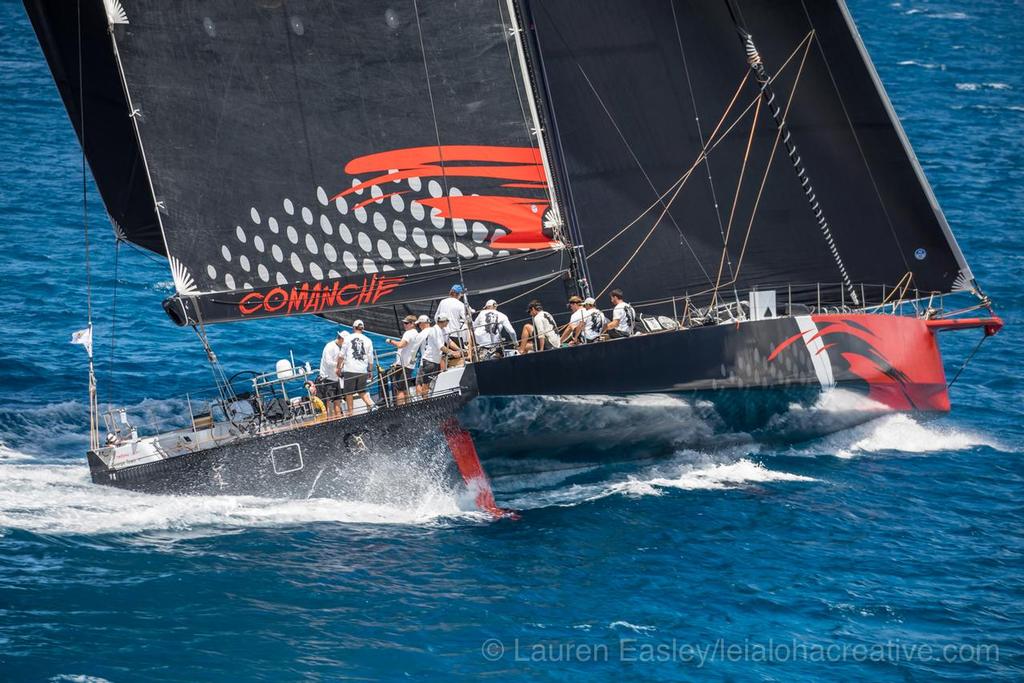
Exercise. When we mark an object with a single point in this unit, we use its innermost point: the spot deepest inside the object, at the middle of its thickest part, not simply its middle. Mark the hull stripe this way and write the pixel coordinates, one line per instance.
(818, 350)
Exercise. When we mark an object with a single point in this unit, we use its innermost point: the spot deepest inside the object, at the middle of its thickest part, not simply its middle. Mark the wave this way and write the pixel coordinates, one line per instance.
(897, 433)
(687, 471)
(61, 500)
(923, 65)
(971, 87)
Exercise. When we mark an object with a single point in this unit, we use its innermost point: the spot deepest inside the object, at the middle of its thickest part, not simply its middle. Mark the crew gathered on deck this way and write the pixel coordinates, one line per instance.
(425, 350)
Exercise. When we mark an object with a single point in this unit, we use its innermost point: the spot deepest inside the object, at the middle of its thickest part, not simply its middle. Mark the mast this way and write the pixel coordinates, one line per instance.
(537, 131)
(563, 213)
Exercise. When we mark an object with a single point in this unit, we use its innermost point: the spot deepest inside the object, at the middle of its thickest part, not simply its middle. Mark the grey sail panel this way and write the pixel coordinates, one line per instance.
(627, 85)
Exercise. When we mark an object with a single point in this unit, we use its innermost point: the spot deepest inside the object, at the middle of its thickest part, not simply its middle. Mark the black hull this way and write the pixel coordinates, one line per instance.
(699, 388)
(333, 461)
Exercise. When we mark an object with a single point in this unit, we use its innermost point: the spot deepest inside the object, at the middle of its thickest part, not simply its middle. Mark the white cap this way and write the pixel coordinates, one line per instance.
(589, 301)
(357, 324)
(423, 319)
(342, 333)
(442, 317)
(491, 303)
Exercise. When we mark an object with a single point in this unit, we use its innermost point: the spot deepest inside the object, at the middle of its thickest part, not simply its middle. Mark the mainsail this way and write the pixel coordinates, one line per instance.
(637, 90)
(323, 156)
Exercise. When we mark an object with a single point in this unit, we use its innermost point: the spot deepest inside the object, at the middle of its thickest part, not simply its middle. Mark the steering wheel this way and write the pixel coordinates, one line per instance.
(244, 422)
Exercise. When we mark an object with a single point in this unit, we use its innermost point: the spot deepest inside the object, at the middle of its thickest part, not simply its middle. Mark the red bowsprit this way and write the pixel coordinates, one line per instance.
(461, 444)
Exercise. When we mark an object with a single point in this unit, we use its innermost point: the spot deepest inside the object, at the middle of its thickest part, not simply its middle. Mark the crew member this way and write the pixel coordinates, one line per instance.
(593, 321)
(540, 333)
(455, 309)
(329, 383)
(357, 366)
(488, 328)
(623, 321)
(436, 347)
(319, 409)
(572, 331)
(401, 372)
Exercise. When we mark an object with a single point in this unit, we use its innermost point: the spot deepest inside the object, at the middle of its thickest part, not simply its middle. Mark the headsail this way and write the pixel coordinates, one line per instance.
(313, 157)
(637, 91)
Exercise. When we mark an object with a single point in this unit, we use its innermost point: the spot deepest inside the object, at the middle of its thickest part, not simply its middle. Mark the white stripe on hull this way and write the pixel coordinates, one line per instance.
(816, 347)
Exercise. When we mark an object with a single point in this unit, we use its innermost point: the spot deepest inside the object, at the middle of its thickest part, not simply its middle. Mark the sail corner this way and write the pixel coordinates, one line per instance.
(115, 12)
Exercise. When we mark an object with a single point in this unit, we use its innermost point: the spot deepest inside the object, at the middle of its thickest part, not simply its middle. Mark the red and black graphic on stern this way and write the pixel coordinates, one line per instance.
(897, 357)
(521, 167)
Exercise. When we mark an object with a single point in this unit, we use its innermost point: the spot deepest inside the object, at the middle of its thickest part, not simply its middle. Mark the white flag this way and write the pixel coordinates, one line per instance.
(83, 337)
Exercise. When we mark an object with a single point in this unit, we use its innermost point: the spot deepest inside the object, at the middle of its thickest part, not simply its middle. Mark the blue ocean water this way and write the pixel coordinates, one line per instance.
(893, 551)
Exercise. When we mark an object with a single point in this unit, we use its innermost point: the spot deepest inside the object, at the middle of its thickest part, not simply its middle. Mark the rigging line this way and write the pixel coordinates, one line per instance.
(966, 361)
(757, 66)
(437, 135)
(736, 199)
(700, 132)
(687, 173)
(615, 125)
(85, 182)
(713, 146)
(545, 283)
(113, 315)
(646, 237)
(856, 138)
(771, 158)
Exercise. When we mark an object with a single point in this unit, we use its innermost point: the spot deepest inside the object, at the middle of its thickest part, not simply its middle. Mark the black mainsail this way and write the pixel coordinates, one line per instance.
(320, 156)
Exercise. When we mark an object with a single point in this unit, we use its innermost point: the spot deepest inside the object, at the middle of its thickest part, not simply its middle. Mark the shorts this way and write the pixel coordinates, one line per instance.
(328, 389)
(428, 372)
(616, 333)
(355, 382)
(399, 377)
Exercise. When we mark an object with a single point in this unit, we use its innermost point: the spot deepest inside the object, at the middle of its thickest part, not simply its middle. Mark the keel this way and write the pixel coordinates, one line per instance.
(464, 452)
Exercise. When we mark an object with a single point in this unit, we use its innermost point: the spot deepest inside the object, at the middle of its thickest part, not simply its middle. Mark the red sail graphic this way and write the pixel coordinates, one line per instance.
(522, 217)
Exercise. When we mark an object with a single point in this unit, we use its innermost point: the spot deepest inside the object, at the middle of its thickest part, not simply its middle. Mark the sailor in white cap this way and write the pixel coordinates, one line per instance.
(405, 358)
(357, 366)
(436, 347)
(488, 326)
(593, 321)
(455, 308)
(329, 383)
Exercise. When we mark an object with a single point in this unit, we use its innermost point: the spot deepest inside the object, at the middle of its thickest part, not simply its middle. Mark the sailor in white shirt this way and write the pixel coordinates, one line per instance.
(435, 346)
(487, 328)
(328, 384)
(593, 321)
(539, 334)
(623, 317)
(405, 360)
(573, 331)
(454, 308)
(357, 366)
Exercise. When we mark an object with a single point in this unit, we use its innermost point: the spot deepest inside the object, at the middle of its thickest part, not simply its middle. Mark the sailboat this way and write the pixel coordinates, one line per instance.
(734, 167)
